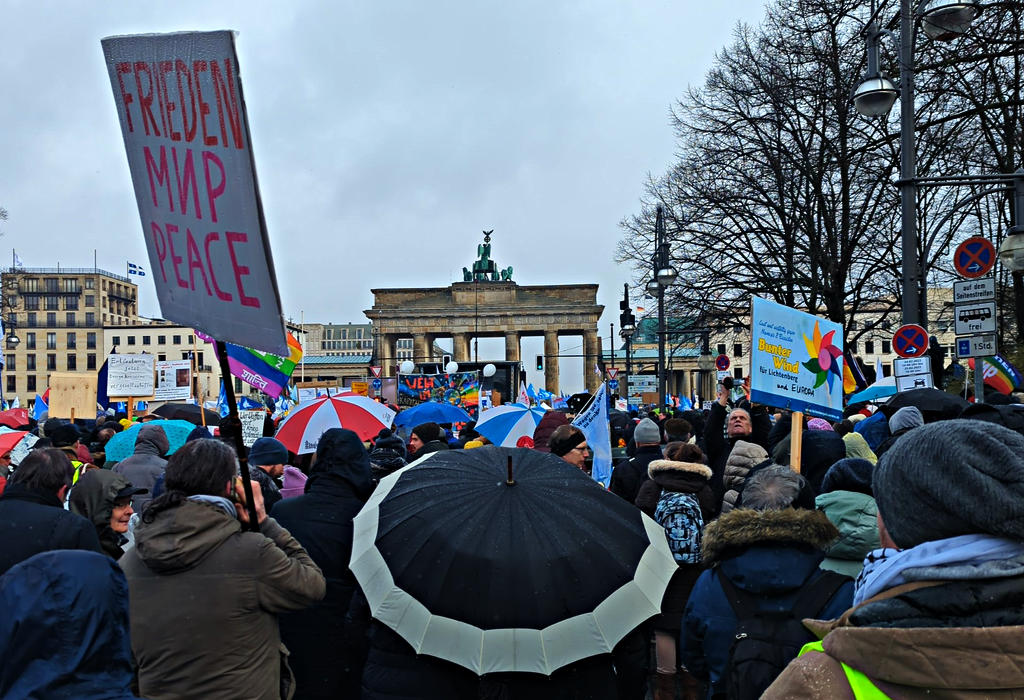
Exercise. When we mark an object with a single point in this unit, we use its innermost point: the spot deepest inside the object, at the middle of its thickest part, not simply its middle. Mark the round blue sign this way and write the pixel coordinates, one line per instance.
(377, 383)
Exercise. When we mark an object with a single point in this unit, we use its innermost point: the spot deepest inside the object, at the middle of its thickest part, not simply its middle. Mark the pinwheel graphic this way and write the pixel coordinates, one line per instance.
(826, 360)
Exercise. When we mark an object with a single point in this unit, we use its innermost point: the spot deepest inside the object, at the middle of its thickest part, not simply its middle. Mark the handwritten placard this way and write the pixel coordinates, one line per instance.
(130, 375)
(252, 426)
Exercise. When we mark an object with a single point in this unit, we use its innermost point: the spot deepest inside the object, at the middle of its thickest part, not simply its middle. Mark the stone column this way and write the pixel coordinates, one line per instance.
(551, 361)
(460, 347)
(387, 353)
(420, 348)
(591, 351)
(511, 346)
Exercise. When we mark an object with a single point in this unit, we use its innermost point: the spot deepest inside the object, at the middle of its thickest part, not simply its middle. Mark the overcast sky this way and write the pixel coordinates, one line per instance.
(387, 136)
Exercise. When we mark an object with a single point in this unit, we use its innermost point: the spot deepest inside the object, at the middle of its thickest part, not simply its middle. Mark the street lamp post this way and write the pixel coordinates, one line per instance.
(663, 276)
(943, 20)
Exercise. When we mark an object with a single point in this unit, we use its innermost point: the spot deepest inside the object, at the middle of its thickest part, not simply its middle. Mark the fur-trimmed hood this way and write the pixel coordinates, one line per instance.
(662, 466)
(744, 527)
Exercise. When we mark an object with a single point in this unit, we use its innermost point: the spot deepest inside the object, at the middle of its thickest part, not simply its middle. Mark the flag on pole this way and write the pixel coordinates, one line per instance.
(39, 407)
(268, 373)
(222, 401)
(17, 261)
(853, 376)
(878, 369)
(16, 403)
(999, 373)
(524, 398)
(134, 269)
(593, 422)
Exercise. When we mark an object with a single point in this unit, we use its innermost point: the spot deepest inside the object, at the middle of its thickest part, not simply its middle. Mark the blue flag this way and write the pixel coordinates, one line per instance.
(222, 401)
(593, 421)
(39, 407)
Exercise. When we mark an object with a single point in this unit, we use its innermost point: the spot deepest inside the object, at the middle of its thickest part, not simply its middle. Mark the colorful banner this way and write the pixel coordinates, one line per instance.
(268, 373)
(459, 389)
(797, 360)
(999, 373)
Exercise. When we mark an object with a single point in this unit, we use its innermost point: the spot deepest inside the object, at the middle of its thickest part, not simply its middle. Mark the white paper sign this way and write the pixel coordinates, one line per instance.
(179, 101)
(252, 426)
(173, 380)
(130, 375)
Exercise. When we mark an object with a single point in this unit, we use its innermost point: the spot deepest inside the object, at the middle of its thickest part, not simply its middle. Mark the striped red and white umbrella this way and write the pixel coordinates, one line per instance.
(301, 430)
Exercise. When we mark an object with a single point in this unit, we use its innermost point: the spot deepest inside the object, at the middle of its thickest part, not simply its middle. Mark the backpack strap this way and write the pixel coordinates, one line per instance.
(816, 595)
(743, 604)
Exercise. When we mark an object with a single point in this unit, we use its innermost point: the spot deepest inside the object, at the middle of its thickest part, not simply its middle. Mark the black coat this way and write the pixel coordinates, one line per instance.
(34, 521)
(719, 446)
(628, 476)
(321, 521)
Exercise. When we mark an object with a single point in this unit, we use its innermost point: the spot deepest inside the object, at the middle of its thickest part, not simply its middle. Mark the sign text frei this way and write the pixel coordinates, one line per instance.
(180, 104)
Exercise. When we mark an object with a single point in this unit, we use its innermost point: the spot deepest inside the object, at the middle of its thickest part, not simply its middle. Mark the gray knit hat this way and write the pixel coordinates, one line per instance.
(647, 433)
(949, 478)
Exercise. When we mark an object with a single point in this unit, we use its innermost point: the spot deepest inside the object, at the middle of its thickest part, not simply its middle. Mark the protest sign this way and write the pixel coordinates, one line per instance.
(73, 395)
(130, 375)
(252, 426)
(797, 360)
(459, 389)
(173, 380)
(186, 133)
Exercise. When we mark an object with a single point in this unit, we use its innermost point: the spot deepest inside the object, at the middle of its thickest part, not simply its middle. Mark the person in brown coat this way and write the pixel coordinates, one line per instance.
(204, 593)
(937, 611)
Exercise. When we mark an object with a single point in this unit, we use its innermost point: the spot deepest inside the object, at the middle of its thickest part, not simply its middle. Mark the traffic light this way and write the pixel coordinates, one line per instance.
(627, 321)
(540, 363)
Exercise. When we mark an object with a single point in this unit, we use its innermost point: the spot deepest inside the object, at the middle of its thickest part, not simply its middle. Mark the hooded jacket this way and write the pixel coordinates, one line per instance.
(64, 629)
(542, 433)
(772, 554)
(93, 498)
(744, 457)
(34, 521)
(855, 516)
(321, 520)
(204, 602)
(146, 464)
(927, 639)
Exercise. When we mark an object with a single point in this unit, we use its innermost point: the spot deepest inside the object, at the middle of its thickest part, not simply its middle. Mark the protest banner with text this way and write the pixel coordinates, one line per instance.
(179, 101)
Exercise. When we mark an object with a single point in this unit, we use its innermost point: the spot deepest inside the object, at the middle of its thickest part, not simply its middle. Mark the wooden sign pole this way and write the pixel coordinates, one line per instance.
(131, 405)
(796, 441)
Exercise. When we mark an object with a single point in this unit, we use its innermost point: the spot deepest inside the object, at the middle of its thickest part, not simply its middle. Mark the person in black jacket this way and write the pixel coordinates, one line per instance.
(628, 476)
(748, 423)
(321, 521)
(426, 438)
(32, 517)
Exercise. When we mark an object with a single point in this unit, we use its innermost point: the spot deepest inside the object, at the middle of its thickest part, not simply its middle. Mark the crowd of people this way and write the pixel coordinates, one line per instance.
(889, 564)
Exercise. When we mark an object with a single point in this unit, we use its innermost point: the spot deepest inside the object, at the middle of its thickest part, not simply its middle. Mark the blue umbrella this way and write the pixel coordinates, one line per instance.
(122, 445)
(504, 425)
(879, 390)
(432, 412)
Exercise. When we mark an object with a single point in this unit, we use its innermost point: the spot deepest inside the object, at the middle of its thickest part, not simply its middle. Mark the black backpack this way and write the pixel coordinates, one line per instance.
(767, 640)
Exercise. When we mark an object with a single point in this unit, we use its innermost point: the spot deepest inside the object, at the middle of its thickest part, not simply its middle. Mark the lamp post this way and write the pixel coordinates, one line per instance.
(627, 327)
(663, 275)
(943, 20)
(12, 341)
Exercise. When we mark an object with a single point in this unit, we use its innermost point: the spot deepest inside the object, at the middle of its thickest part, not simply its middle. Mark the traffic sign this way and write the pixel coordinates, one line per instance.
(376, 383)
(722, 363)
(976, 346)
(375, 371)
(613, 383)
(613, 372)
(909, 366)
(975, 318)
(914, 381)
(910, 340)
(974, 257)
(971, 291)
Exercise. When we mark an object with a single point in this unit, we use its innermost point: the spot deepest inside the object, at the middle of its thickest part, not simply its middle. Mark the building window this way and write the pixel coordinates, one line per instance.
(51, 341)
(12, 384)
(70, 285)
(886, 347)
(90, 300)
(90, 361)
(51, 362)
(31, 303)
(200, 358)
(886, 370)
(851, 345)
(31, 319)
(853, 325)
(721, 348)
(72, 363)
(869, 347)
(131, 340)
(161, 356)
(31, 383)
(30, 341)
(51, 303)
(116, 340)
(10, 362)
(71, 303)
(90, 341)
(737, 372)
(191, 340)
(50, 284)
(90, 318)
(176, 339)
(90, 283)
(737, 349)
(70, 319)
(29, 285)
(51, 320)
(30, 363)
(145, 340)
(72, 341)
(161, 340)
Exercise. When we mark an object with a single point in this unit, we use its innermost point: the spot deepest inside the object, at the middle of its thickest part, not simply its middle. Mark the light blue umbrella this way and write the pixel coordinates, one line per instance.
(504, 425)
(432, 412)
(122, 445)
(879, 390)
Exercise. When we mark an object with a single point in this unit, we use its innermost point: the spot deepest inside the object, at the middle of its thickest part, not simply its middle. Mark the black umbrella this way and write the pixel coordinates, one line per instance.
(496, 576)
(187, 411)
(934, 404)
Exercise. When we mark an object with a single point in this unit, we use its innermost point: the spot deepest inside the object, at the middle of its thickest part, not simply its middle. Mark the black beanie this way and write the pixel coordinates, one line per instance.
(427, 432)
(950, 478)
(849, 474)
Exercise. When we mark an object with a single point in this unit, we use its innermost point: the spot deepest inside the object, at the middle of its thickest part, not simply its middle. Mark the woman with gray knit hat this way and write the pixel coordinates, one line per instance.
(939, 609)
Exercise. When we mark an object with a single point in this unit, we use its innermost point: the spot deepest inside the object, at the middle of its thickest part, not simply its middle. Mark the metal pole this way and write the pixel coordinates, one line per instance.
(611, 344)
(979, 380)
(659, 262)
(913, 280)
(629, 368)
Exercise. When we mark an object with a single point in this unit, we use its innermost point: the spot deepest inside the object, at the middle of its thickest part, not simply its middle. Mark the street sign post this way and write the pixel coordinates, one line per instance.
(913, 373)
(914, 381)
(910, 340)
(722, 363)
(377, 383)
(613, 383)
(613, 372)
(975, 318)
(976, 346)
(974, 257)
(973, 291)
(376, 370)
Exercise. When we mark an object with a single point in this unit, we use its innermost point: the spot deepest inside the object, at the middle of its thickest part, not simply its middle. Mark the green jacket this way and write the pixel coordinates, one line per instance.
(855, 516)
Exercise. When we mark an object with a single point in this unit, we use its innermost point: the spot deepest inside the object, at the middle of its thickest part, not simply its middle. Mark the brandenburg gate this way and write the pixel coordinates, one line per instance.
(488, 304)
